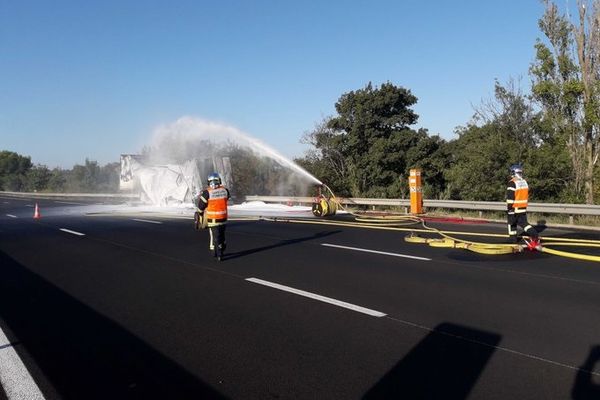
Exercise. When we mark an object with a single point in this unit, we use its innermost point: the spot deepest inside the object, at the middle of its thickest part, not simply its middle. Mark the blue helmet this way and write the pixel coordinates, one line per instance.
(214, 180)
(516, 169)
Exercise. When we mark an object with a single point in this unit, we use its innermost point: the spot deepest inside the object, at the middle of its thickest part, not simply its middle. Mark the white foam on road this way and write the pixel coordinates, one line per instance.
(385, 253)
(146, 220)
(247, 209)
(14, 376)
(11, 216)
(313, 296)
(72, 232)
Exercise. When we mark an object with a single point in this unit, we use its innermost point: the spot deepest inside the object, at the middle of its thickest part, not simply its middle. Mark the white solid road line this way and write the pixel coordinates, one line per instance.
(72, 232)
(12, 216)
(14, 377)
(385, 253)
(147, 220)
(318, 297)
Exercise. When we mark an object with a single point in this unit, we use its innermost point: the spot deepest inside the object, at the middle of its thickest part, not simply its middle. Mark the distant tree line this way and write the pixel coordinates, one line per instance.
(19, 174)
(368, 147)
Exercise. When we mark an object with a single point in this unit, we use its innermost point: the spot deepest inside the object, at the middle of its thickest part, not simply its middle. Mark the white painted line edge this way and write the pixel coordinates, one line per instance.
(146, 220)
(14, 376)
(385, 253)
(313, 296)
(12, 216)
(72, 232)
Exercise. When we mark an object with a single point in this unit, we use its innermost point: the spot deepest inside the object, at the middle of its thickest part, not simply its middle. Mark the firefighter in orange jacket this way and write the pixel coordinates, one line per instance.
(213, 203)
(517, 195)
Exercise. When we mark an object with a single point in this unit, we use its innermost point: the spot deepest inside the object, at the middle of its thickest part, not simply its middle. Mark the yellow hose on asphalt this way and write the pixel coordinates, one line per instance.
(577, 256)
(392, 222)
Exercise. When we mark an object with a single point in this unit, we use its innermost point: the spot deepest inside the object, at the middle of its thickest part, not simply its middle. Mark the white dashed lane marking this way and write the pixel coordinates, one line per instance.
(313, 296)
(385, 253)
(146, 220)
(72, 232)
(11, 216)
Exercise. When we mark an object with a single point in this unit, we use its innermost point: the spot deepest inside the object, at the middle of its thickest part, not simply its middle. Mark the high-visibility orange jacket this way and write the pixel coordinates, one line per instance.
(517, 195)
(214, 204)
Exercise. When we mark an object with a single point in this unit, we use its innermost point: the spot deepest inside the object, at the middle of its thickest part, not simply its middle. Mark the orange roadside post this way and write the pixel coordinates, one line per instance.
(416, 191)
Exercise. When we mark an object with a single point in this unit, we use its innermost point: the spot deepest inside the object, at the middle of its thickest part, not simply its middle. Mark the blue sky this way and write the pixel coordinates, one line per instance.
(95, 78)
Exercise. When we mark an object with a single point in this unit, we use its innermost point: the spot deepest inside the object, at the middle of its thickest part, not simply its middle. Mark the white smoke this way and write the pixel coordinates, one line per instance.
(190, 137)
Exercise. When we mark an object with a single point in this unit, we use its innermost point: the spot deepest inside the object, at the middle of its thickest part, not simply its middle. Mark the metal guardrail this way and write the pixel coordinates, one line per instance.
(96, 196)
(545, 208)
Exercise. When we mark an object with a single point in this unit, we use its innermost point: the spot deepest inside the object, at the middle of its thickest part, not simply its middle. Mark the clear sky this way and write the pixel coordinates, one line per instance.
(95, 78)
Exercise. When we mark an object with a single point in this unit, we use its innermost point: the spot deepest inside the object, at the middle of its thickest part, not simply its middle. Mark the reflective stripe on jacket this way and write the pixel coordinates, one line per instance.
(217, 204)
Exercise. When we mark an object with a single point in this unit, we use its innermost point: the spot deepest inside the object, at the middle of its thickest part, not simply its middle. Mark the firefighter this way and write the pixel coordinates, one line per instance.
(517, 195)
(213, 204)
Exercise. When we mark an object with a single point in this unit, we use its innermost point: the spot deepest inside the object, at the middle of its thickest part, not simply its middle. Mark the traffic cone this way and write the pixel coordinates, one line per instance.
(36, 213)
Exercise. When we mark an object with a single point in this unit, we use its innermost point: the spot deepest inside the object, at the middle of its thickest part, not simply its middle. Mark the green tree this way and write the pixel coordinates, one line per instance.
(108, 178)
(365, 142)
(431, 155)
(84, 178)
(510, 130)
(368, 147)
(13, 170)
(374, 135)
(479, 165)
(567, 86)
(57, 181)
(37, 178)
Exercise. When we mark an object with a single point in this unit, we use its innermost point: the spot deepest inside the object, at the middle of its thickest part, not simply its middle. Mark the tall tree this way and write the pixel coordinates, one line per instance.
(373, 135)
(510, 130)
(566, 83)
(587, 37)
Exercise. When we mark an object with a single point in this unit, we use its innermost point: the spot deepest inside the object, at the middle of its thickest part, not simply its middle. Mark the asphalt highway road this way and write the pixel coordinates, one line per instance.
(135, 306)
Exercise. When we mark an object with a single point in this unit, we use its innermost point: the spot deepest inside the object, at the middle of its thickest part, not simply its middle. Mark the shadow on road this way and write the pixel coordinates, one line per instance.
(82, 353)
(279, 244)
(540, 226)
(444, 365)
(585, 388)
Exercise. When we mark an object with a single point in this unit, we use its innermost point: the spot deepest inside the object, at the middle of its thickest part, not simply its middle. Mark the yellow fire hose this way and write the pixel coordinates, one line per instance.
(391, 222)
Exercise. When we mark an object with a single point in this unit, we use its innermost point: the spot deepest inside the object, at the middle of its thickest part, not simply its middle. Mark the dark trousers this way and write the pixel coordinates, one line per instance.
(519, 219)
(217, 236)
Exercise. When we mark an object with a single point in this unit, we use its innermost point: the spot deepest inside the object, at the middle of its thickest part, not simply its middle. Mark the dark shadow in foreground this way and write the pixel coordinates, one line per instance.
(444, 365)
(83, 354)
(279, 244)
(585, 387)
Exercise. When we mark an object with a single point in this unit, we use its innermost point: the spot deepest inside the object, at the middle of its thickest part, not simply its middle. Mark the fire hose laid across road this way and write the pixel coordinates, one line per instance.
(328, 206)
